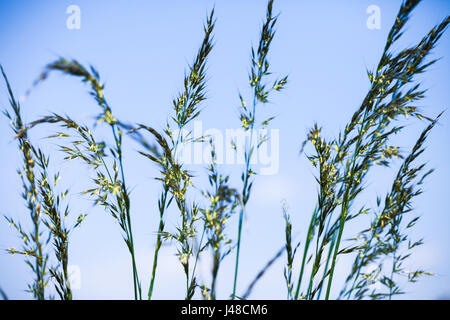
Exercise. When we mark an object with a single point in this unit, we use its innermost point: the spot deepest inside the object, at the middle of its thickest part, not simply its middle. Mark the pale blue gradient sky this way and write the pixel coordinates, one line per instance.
(141, 49)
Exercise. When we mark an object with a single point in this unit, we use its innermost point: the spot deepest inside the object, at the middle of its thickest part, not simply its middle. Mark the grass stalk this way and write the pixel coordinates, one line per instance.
(258, 72)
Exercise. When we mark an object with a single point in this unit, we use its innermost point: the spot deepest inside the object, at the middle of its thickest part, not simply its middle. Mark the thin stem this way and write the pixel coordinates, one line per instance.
(392, 276)
(197, 257)
(316, 264)
(317, 259)
(358, 272)
(137, 287)
(158, 240)
(345, 204)
(330, 250)
(39, 264)
(305, 252)
(237, 255)
(249, 152)
(162, 209)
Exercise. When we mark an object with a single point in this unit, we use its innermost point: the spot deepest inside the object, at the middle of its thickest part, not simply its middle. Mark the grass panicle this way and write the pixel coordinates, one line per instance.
(387, 235)
(343, 163)
(122, 207)
(223, 202)
(291, 250)
(47, 211)
(33, 242)
(261, 88)
(175, 179)
(55, 216)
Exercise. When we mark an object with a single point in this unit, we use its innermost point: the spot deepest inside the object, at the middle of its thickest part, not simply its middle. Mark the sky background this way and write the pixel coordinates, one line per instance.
(141, 49)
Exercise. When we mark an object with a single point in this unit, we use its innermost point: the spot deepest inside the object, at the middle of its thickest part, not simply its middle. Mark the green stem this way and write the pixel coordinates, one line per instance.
(237, 255)
(317, 259)
(137, 286)
(345, 204)
(392, 276)
(326, 265)
(40, 270)
(358, 272)
(249, 153)
(158, 240)
(305, 251)
(336, 250)
(197, 256)
(215, 271)
(316, 264)
(162, 210)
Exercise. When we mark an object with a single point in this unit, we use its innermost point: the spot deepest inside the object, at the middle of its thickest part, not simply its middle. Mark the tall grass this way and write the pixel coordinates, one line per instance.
(110, 190)
(176, 180)
(261, 89)
(47, 212)
(342, 165)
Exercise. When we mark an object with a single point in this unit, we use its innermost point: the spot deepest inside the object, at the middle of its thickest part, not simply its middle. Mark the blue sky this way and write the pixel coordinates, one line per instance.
(141, 49)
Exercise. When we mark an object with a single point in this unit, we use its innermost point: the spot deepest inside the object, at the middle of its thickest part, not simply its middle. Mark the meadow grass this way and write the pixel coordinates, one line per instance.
(341, 164)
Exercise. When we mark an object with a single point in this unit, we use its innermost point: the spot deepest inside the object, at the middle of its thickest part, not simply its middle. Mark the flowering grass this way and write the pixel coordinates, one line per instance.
(341, 169)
